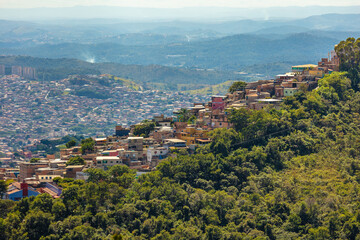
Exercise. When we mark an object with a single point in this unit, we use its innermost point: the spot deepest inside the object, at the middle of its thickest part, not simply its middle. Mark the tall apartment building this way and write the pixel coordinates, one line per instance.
(28, 170)
(17, 70)
(29, 73)
(2, 70)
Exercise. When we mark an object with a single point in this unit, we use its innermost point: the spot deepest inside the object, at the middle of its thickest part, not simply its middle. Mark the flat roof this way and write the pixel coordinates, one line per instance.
(75, 166)
(100, 139)
(135, 138)
(107, 158)
(203, 140)
(268, 100)
(197, 107)
(175, 140)
(305, 65)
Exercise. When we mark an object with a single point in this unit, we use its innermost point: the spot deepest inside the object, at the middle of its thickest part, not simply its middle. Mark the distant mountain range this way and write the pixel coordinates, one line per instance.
(163, 32)
(176, 53)
(231, 53)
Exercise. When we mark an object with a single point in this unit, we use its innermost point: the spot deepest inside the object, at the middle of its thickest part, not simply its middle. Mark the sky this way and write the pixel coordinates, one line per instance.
(173, 3)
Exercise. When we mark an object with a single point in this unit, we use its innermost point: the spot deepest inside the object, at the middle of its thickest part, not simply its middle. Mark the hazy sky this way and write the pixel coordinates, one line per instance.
(172, 3)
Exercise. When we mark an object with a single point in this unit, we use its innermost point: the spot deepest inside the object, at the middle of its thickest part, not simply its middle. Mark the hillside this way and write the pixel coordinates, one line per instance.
(231, 53)
(289, 173)
(218, 89)
(164, 77)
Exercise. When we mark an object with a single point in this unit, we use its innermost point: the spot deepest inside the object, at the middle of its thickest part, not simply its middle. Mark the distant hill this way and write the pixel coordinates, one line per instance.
(124, 32)
(219, 89)
(147, 76)
(231, 53)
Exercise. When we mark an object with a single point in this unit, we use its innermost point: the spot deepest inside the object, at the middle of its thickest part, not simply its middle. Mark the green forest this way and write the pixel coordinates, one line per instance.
(292, 173)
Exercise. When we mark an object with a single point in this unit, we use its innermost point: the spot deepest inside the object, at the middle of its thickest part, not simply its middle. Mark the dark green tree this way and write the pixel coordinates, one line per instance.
(75, 161)
(237, 86)
(71, 143)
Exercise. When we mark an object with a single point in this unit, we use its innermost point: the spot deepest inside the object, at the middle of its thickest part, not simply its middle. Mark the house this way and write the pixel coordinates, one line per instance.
(17, 193)
(290, 91)
(135, 143)
(51, 189)
(121, 132)
(174, 142)
(106, 162)
(261, 103)
(299, 69)
(72, 170)
(27, 170)
(218, 102)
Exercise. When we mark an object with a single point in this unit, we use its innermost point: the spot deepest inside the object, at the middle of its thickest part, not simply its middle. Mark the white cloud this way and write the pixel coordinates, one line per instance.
(171, 3)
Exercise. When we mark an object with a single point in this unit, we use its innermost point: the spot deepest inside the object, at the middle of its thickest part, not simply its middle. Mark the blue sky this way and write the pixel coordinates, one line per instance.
(172, 3)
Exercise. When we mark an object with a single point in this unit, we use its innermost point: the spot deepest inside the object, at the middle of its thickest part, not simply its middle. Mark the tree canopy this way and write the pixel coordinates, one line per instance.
(75, 161)
(144, 128)
(237, 86)
(87, 145)
(288, 173)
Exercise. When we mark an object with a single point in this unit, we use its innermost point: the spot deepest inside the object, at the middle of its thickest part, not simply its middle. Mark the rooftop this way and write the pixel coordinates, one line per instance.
(304, 66)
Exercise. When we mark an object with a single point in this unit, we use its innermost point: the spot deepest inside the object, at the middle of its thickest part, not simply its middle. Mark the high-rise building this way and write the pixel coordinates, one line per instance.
(29, 73)
(17, 70)
(2, 69)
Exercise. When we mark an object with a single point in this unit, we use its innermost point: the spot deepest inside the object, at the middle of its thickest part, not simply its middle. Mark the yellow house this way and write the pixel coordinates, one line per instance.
(316, 73)
(191, 134)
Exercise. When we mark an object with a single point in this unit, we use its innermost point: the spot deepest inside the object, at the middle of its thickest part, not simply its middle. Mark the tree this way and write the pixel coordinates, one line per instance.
(36, 224)
(237, 86)
(34, 160)
(87, 145)
(338, 82)
(59, 210)
(3, 188)
(239, 118)
(144, 128)
(70, 144)
(349, 53)
(184, 115)
(75, 161)
(96, 174)
(42, 202)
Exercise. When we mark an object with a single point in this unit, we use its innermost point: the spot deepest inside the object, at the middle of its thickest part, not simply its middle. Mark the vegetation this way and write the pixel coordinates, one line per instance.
(34, 160)
(70, 143)
(144, 128)
(87, 145)
(218, 89)
(349, 53)
(75, 161)
(131, 75)
(292, 173)
(184, 115)
(52, 146)
(91, 93)
(237, 86)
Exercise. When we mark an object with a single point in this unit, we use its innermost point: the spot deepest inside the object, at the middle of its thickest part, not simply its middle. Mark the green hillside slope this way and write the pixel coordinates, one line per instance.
(291, 173)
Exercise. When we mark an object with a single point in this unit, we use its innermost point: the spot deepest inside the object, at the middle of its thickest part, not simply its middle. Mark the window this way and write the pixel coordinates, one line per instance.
(46, 177)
